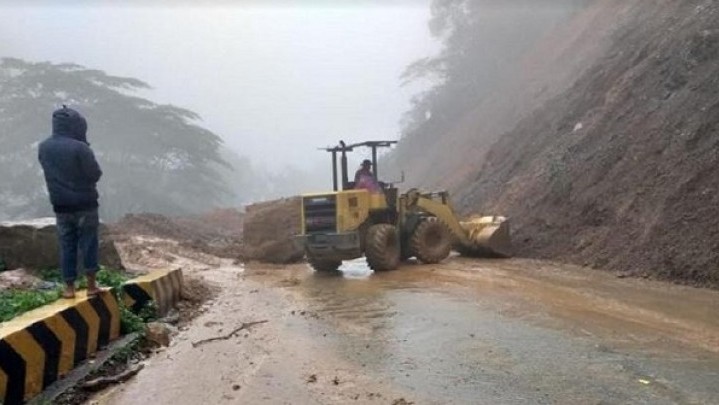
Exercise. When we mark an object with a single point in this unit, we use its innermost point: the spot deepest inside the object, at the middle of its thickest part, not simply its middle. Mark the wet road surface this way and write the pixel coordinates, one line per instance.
(464, 332)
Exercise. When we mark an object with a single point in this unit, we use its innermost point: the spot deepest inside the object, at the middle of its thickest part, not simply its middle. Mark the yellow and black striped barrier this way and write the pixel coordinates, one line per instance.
(43, 345)
(163, 287)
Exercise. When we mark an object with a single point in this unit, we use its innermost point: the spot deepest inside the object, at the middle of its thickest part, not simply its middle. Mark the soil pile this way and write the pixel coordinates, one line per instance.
(269, 228)
(218, 232)
(263, 233)
(621, 170)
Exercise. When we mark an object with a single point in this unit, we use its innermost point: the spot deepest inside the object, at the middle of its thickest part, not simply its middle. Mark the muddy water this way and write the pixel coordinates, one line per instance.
(517, 332)
(463, 332)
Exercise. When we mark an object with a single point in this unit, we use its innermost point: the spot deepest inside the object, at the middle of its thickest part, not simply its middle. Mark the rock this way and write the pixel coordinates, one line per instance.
(172, 317)
(158, 332)
(32, 244)
(174, 330)
(20, 279)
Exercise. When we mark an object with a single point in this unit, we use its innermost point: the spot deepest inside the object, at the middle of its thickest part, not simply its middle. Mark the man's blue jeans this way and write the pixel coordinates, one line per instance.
(77, 234)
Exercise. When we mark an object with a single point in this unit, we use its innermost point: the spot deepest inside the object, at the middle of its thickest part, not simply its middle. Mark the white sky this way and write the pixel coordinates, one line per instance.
(274, 81)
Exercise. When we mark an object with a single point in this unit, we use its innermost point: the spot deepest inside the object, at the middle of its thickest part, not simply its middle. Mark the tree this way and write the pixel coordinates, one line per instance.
(482, 41)
(156, 158)
(240, 176)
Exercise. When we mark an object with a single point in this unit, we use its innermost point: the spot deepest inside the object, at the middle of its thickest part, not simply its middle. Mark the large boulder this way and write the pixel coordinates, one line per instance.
(32, 244)
(269, 228)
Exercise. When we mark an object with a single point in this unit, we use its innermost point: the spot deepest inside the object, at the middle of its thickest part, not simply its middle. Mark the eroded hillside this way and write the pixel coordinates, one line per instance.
(604, 152)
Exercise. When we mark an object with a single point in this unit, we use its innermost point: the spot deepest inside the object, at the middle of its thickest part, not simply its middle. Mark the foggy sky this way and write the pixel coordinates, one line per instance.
(274, 79)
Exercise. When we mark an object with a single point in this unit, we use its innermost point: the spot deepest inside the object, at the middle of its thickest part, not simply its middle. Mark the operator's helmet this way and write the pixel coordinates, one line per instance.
(366, 163)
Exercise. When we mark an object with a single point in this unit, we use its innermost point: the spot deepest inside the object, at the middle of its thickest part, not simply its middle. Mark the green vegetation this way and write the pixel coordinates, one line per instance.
(128, 352)
(105, 277)
(131, 322)
(17, 302)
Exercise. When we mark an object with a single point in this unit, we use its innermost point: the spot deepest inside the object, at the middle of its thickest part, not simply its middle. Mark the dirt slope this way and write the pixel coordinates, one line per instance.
(557, 59)
(621, 170)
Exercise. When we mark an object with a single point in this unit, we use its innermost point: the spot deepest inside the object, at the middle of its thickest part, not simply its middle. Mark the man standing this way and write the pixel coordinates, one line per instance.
(71, 174)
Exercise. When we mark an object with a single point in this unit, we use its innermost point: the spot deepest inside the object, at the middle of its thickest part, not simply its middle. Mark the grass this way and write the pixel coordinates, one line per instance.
(129, 321)
(132, 322)
(17, 302)
(105, 278)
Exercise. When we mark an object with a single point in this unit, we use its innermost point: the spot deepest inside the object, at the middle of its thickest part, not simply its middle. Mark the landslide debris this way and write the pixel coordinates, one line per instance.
(263, 233)
(217, 233)
(268, 231)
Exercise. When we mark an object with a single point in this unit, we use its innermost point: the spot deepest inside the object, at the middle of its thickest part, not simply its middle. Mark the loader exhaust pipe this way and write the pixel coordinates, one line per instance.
(343, 164)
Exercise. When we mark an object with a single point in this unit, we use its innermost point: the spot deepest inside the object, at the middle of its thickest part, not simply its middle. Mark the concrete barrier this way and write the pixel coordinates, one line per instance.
(43, 345)
(163, 287)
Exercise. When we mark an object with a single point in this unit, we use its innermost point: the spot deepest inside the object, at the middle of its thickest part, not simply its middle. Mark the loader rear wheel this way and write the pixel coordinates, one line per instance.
(431, 241)
(382, 247)
(324, 266)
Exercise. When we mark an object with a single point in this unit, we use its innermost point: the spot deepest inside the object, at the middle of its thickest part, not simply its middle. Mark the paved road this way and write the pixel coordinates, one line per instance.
(464, 332)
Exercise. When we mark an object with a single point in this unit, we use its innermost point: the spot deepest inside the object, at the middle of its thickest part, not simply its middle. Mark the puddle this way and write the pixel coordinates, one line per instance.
(356, 269)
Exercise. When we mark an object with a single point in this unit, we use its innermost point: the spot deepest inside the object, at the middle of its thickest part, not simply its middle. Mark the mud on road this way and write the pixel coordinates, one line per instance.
(466, 331)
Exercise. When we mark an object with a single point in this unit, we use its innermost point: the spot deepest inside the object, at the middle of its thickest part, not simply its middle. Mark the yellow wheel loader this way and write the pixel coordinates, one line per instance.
(387, 227)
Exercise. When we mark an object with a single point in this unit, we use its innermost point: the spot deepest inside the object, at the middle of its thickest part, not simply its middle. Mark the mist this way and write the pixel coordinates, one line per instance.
(275, 80)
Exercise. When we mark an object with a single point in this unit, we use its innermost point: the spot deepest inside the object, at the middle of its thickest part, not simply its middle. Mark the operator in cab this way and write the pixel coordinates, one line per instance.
(364, 178)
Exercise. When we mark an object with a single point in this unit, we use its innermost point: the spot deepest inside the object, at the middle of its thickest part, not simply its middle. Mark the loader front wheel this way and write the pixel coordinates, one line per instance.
(382, 247)
(431, 241)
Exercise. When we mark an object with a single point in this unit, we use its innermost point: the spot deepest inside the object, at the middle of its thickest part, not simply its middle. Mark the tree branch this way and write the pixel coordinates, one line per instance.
(245, 325)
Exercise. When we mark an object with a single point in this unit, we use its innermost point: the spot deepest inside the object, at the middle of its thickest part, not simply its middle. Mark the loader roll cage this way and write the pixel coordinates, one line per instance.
(342, 149)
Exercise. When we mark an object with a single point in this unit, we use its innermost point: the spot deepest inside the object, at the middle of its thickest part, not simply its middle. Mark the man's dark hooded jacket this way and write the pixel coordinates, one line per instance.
(71, 171)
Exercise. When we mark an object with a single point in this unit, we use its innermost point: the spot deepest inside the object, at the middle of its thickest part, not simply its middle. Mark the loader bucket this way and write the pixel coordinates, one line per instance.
(486, 237)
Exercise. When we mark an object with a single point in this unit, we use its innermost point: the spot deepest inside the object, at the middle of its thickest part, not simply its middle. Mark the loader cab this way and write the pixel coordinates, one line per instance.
(341, 180)
(340, 171)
